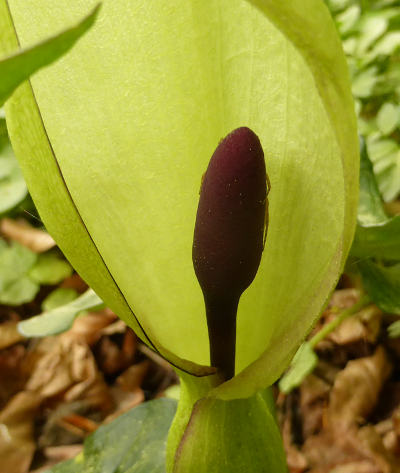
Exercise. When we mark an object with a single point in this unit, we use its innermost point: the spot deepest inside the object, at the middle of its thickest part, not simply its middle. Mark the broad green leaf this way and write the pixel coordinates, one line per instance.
(385, 155)
(394, 329)
(379, 241)
(378, 149)
(3, 130)
(338, 5)
(302, 365)
(370, 205)
(58, 297)
(19, 291)
(388, 118)
(386, 46)
(150, 93)
(59, 319)
(389, 177)
(134, 443)
(382, 285)
(50, 269)
(18, 67)
(371, 29)
(347, 19)
(364, 83)
(377, 235)
(15, 262)
(12, 185)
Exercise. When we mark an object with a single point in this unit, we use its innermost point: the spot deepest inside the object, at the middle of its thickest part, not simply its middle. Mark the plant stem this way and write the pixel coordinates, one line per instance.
(330, 327)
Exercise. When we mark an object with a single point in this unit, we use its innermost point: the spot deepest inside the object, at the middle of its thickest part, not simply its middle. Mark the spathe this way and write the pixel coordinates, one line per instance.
(120, 132)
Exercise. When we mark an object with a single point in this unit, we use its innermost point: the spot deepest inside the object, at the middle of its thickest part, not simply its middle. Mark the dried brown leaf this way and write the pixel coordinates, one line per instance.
(62, 452)
(297, 463)
(343, 299)
(125, 400)
(356, 389)
(328, 451)
(314, 394)
(113, 354)
(67, 368)
(17, 445)
(363, 326)
(51, 433)
(89, 329)
(9, 334)
(132, 378)
(74, 282)
(21, 231)
(372, 443)
(83, 423)
(12, 372)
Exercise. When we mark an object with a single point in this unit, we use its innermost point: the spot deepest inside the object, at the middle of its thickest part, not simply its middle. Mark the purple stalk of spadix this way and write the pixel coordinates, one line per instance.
(229, 236)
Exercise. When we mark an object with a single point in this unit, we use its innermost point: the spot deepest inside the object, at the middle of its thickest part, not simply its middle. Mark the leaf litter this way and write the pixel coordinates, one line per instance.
(56, 390)
(345, 416)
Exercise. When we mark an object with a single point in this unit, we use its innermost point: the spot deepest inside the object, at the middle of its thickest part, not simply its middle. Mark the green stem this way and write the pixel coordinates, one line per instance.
(211, 435)
(330, 327)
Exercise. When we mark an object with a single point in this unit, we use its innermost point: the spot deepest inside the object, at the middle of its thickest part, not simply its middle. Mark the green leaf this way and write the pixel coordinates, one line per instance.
(388, 118)
(60, 319)
(19, 291)
(59, 297)
(20, 66)
(378, 149)
(134, 442)
(3, 130)
(371, 29)
(378, 241)
(389, 177)
(382, 285)
(347, 19)
(394, 329)
(302, 365)
(12, 185)
(15, 262)
(370, 205)
(338, 5)
(50, 269)
(386, 46)
(385, 155)
(119, 193)
(364, 83)
(377, 235)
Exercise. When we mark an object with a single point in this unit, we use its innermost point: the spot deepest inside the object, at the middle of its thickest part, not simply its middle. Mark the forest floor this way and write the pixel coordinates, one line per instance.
(55, 391)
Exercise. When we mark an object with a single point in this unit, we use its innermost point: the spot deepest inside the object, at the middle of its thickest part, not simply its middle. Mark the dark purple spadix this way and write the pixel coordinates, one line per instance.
(229, 236)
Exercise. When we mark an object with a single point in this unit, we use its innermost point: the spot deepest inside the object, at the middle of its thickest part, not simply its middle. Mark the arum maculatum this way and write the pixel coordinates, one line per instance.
(113, 140)
(229, 237)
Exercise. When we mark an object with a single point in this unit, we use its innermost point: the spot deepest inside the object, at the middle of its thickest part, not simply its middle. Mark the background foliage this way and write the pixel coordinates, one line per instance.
(370, 32)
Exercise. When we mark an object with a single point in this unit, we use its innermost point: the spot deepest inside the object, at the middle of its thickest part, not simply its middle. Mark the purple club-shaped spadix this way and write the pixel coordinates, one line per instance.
(229, 236)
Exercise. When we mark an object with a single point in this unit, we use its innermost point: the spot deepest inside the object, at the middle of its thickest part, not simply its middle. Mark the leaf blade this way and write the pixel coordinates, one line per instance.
(59, 319)
(20, 66)
(135, 441)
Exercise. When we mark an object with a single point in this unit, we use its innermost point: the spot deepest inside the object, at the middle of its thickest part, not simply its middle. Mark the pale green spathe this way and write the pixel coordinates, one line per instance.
(133, 115)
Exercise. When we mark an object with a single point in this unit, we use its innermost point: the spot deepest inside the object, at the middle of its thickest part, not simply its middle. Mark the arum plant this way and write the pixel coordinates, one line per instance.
(113, 141)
